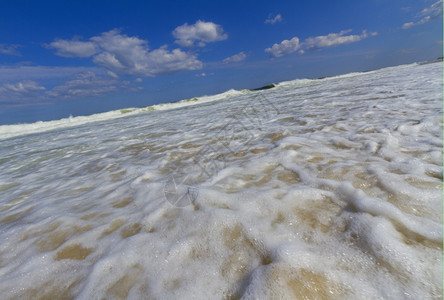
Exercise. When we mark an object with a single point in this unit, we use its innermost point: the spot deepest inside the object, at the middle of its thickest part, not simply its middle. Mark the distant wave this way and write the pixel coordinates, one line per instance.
(8, 131)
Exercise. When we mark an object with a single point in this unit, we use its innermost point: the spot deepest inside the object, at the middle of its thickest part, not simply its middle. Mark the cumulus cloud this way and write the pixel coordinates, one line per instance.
(434, 11)
(284, 47)
(273, 20)
(314, 43)
(120, 53)
(9, 49)
(200, 32)
(235, 58)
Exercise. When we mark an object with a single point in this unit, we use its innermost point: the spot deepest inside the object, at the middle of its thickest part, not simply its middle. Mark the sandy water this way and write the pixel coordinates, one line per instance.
(314, 189)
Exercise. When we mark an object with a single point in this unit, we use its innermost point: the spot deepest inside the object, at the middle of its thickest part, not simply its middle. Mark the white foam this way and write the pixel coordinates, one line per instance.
(315, 189)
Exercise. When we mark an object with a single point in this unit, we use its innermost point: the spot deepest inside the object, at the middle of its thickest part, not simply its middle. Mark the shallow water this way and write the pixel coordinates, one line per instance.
(319, 189)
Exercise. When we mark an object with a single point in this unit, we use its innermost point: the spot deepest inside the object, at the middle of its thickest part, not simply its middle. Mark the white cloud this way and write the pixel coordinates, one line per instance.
(318, 42)
(73, 48)
(25, 86)
(408, 25)
(270, 20)
(434, 11)
(203, 74)
(86, 85)
(112, 74)
(162, 61)
(21, 91)
(22, 72)
(284, 47)
(420, 22)
(334, 39)
(9, 49)
(86, 82)
(120, 53)
(235, 58)
(201, 32)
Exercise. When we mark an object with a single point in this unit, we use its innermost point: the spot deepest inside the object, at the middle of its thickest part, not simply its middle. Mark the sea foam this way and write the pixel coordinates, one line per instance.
(313, 189)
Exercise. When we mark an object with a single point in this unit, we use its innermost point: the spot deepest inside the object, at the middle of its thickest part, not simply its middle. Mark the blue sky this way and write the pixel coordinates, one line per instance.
(60, 58)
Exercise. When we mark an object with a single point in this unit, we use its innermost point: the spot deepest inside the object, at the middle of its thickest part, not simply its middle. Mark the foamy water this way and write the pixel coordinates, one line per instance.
(314, 189)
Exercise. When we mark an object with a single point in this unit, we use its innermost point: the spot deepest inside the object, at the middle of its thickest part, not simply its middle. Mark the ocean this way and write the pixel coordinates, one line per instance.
(314, 189)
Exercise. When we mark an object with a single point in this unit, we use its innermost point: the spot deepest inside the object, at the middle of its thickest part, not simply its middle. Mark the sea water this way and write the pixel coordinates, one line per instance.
(314, 189)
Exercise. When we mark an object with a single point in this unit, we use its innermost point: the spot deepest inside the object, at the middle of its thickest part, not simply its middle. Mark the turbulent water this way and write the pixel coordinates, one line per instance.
(313, 189)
